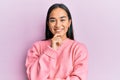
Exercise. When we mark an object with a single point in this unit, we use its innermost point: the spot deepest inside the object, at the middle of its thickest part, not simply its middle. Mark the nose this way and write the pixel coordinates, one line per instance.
(58, 24)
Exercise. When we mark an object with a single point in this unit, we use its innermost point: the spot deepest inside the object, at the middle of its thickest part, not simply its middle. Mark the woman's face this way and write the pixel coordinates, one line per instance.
(59, 22)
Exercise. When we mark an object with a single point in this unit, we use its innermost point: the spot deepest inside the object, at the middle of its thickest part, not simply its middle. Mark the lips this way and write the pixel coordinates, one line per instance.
(58, 30)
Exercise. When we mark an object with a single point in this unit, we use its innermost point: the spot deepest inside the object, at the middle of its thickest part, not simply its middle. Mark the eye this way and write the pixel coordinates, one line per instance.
(62, 20)
(52, 20)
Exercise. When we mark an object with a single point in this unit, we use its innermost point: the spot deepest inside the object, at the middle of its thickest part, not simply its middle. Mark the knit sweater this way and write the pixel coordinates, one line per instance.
(68, 62)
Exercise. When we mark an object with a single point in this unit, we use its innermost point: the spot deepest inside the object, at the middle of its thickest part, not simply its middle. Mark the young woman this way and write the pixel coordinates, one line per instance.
(59, 57)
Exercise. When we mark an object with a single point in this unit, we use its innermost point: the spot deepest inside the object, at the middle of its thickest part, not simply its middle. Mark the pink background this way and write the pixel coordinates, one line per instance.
(96, 23)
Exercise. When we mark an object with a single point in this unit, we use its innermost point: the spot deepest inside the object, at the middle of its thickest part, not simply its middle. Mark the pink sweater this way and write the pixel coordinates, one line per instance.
(69, 62)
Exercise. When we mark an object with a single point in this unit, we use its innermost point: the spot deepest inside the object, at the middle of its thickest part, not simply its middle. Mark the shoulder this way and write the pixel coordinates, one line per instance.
(78, 44)
(40, 44)
(80, 49)
(37, 46)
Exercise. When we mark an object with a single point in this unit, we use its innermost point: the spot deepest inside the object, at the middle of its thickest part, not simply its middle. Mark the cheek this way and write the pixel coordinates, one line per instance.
(67, 26)
(67, 29)
(51, 29)
(50, 26)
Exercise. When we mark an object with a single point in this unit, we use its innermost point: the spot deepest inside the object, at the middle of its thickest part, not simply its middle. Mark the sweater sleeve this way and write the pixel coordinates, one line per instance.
(32, 61)
(80, 64)
(37, 63)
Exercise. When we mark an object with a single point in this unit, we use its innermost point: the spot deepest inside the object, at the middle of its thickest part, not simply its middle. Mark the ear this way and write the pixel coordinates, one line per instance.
(69, 22)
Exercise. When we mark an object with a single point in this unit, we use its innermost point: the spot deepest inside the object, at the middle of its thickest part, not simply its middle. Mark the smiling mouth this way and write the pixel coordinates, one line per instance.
(58, 30)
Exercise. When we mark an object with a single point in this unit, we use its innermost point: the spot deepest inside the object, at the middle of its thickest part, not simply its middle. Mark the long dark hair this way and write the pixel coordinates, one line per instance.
(48, 34)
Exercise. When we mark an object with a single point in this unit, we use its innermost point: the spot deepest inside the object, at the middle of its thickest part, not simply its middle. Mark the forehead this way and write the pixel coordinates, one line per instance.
(58, 12)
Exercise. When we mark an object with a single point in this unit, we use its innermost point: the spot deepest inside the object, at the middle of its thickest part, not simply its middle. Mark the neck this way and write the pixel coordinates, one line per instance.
(64, 37)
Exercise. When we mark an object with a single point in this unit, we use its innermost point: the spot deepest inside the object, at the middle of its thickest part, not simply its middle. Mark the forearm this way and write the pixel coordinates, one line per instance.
(68, 78)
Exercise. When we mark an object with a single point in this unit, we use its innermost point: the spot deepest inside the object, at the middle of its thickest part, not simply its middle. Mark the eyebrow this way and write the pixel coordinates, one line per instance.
(60, 17)
(63, 17)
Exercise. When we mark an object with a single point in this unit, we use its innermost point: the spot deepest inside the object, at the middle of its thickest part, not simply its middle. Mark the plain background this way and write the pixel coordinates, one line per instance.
(96, 24)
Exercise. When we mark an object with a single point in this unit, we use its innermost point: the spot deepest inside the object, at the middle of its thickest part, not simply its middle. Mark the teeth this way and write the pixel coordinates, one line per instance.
(58, 30)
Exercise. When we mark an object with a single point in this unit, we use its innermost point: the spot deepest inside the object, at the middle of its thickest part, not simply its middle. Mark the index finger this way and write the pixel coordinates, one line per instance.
(57, 35)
